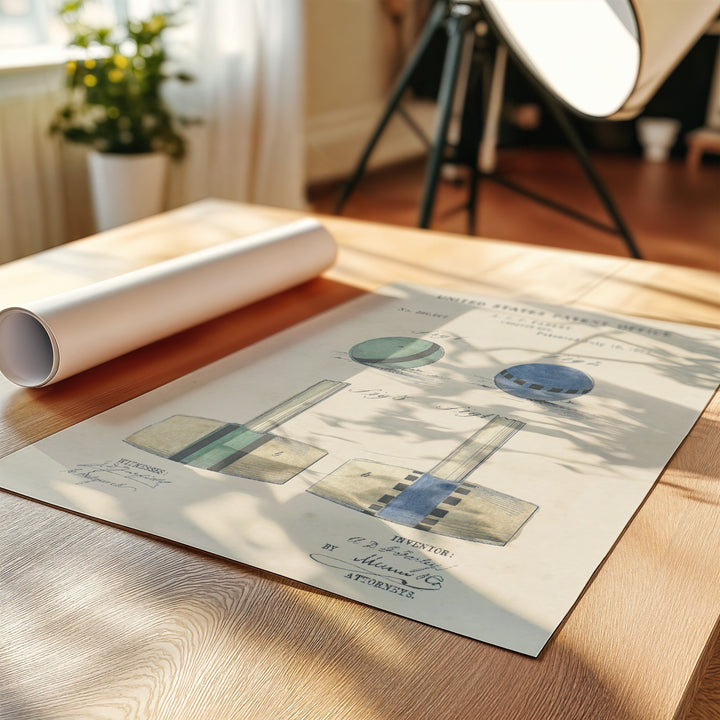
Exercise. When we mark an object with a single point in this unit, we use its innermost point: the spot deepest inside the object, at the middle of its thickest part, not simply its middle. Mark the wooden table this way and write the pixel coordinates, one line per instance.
(98, 622)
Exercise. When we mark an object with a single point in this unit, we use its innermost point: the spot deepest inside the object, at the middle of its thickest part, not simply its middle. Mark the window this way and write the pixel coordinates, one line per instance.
(32, 34)
(23, 23)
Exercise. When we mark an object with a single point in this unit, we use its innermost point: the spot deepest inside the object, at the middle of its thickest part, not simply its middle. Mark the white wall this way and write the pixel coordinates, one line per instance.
(353, 54)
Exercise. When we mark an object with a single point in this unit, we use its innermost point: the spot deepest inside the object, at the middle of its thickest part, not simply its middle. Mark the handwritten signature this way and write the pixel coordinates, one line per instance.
(123, 473)
(378, 565)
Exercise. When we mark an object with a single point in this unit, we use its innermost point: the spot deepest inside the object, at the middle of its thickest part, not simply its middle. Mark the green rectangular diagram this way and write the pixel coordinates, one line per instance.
(250, 450)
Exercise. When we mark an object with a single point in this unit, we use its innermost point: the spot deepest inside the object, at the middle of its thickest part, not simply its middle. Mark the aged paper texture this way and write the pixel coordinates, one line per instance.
(463, 461)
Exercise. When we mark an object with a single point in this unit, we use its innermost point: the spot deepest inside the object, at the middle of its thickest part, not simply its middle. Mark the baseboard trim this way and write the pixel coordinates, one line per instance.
(335, 140)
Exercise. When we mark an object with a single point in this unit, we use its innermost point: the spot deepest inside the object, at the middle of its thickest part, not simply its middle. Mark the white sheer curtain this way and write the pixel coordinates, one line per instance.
(249, 63)
(39, 202)
(248, 58)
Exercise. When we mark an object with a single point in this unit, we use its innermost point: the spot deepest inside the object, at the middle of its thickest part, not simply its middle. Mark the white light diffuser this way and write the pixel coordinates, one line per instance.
(603, 58)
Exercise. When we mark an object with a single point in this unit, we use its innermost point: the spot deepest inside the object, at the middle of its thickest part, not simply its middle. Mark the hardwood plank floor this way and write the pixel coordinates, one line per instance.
(673, 213)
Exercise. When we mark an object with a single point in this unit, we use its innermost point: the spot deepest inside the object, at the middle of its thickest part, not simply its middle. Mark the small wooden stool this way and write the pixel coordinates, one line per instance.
(701, 141)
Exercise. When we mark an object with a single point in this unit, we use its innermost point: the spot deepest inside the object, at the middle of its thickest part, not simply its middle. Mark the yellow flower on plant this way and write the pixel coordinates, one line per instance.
(90, 80)
(115, 75)
(155, 24)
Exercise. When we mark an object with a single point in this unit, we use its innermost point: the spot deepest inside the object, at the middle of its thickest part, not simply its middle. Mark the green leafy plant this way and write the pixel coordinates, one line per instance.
(114, 86)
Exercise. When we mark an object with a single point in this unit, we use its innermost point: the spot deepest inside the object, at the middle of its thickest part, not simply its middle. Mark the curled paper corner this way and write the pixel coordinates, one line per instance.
(50, 339)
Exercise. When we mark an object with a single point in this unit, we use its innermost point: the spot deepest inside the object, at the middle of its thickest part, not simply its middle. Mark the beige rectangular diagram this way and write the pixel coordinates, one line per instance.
(250, 450)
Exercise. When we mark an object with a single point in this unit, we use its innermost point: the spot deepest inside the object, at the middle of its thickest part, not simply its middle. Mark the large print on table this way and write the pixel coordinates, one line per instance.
(463, 461)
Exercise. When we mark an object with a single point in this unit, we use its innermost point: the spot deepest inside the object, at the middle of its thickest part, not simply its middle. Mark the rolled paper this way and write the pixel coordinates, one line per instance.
(53, 338)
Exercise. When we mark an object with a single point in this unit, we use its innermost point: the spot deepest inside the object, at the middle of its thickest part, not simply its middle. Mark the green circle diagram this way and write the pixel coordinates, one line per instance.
(396, 352)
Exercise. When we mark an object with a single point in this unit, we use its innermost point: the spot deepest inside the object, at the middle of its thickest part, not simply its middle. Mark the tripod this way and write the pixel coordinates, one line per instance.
(460, 18)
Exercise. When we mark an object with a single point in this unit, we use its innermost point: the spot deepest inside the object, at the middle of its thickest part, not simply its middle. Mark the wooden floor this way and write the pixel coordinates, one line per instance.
(673, 213)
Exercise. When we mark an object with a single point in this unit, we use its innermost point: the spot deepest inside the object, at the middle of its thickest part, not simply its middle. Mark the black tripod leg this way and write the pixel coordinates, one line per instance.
(473, 192)
(434, 21)
(483, 88)
(577, 145)
(456, 27)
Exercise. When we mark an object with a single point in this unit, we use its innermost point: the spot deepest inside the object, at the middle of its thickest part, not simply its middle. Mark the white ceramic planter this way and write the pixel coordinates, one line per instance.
(657, 135)
(126, 187)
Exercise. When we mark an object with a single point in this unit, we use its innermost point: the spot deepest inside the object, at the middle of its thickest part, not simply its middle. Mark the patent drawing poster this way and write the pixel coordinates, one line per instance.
(463, 461)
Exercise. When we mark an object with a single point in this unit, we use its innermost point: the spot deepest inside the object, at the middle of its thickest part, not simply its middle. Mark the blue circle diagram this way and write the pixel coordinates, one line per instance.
(396, 352)
(544, 381)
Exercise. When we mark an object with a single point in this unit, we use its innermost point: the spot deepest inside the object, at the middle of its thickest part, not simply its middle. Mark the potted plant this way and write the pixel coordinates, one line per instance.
(115, 106)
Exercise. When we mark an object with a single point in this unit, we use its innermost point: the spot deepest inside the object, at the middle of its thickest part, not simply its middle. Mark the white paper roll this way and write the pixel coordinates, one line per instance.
(50, 339)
